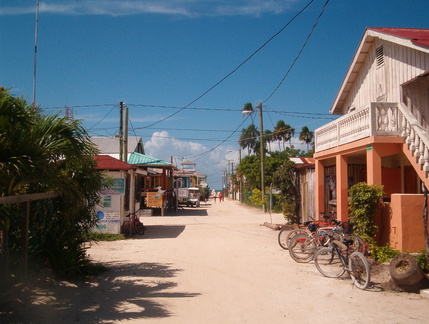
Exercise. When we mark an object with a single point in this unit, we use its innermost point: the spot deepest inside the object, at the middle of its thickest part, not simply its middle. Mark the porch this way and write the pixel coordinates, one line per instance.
(381, 145)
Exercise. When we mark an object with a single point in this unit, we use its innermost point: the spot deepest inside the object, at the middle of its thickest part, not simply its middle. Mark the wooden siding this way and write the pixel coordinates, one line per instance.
(383, 84)
(308, 196)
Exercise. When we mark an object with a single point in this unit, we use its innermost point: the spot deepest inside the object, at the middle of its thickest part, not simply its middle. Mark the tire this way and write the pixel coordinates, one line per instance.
(284, 236)
(328, 262)
(140, 228)
(281, 238)
(127, 229)
(292, 234)
(302, 248)
(359, 270)
(358, 244)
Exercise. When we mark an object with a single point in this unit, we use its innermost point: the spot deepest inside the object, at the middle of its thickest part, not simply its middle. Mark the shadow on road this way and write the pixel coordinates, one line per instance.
(188, 211)
(163, 231)
(126, 292)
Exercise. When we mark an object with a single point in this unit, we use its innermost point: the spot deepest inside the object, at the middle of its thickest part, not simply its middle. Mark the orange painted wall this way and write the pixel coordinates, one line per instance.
(391, 179)
(407, 222)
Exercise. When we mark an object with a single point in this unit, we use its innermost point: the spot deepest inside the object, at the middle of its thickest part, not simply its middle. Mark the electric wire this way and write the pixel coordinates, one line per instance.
(237, 68)
(212, 149)
(103, 117)
(299, 53)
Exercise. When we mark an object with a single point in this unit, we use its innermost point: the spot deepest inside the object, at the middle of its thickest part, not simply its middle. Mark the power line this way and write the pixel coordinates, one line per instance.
(237, 68)
(204, 153)
(103, 118)
(299, 53)
(192, 108)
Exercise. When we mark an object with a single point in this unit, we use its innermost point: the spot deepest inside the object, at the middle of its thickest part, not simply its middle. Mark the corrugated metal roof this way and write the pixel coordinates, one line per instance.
(144, 160)
(188, 163)
(110, 145)
(415, 35)
(106, 162)
(302, 160)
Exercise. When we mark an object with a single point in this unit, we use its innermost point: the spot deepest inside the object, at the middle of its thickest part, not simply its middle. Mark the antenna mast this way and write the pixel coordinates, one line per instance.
(36, 34)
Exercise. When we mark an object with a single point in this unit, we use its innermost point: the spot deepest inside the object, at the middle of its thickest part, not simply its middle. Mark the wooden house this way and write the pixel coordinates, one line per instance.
(382, 135)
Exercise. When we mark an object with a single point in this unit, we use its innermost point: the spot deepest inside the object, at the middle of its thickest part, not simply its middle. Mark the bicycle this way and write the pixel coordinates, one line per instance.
(286, 233)
(303, 246)
(132, 225)
(334, 261)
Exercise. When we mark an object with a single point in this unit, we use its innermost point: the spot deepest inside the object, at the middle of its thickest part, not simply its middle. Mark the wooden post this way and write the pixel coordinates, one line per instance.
(24, 238)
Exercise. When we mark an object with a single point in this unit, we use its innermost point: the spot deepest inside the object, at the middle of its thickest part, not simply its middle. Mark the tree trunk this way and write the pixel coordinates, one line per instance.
(405, 271)
(425, 222)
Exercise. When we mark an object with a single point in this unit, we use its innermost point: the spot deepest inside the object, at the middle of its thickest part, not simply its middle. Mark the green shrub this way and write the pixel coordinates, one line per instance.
(422, 260)
(382, 254)
(96, 236)
(256, 198)
(362, 205)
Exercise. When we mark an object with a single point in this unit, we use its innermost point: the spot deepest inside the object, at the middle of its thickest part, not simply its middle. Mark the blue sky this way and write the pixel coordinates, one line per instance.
(158, 56)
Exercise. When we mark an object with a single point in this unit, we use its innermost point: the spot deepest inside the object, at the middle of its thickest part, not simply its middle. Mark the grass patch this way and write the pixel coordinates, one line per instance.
(95, 236)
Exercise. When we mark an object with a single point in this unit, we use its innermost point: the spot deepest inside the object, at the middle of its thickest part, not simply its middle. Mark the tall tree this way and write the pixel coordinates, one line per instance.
(306, 136)
(279, 133)
(249, 138)
(289, 134)
(268, 138)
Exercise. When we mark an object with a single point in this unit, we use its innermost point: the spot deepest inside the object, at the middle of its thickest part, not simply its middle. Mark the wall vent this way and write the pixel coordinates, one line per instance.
(379, 53)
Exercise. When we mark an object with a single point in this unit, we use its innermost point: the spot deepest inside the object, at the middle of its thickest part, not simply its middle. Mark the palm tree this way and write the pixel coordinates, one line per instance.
(289, 134)
(268, 138)
(279, 132)
(249, 138)
(306, 136)
(283, 133)
(47, 153)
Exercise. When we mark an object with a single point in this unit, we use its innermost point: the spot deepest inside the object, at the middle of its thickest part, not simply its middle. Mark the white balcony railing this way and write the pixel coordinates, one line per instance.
(381, 119)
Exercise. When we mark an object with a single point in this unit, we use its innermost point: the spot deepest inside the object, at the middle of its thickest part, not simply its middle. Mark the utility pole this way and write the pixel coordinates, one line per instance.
(125, 147)
(36, 38)
(241, 177)
(262, 152)
(121, 130)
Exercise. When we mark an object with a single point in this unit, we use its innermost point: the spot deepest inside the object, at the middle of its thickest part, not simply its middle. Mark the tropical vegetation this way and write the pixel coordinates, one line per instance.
(279, 170)
(38, 154)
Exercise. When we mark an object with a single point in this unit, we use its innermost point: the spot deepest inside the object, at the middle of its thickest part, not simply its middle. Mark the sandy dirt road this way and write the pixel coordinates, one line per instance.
(213, 264)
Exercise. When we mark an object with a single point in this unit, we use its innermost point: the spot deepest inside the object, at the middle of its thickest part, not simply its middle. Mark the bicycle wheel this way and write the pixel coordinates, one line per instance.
(328, 262)
(292, 234)
(139, 227)
(284, 236)
(302, 248)
(127, 228)
(358, 244)
(359, 270)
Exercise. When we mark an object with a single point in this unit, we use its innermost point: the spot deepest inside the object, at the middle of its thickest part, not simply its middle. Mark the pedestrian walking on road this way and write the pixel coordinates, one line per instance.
(220, 197)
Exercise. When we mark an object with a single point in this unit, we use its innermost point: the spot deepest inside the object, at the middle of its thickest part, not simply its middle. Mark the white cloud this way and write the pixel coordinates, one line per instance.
(209, 161)
(185, 8)
(163, 146)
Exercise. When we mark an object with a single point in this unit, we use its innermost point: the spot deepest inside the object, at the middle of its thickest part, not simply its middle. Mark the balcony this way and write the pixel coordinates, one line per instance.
(381, 119)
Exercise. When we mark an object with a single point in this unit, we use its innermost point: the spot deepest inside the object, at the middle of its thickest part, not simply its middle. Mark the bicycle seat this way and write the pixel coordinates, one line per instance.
(313, 227)
(347, 242)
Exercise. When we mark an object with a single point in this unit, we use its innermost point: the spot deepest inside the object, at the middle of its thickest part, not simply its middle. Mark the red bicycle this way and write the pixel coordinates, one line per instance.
(133, 225)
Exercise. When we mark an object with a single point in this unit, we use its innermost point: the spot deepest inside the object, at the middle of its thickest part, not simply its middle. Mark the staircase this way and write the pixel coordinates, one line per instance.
(416, 146)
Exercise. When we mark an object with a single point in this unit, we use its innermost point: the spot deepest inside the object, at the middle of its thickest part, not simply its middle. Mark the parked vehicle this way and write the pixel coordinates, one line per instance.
(189, 196)
(193, 197)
